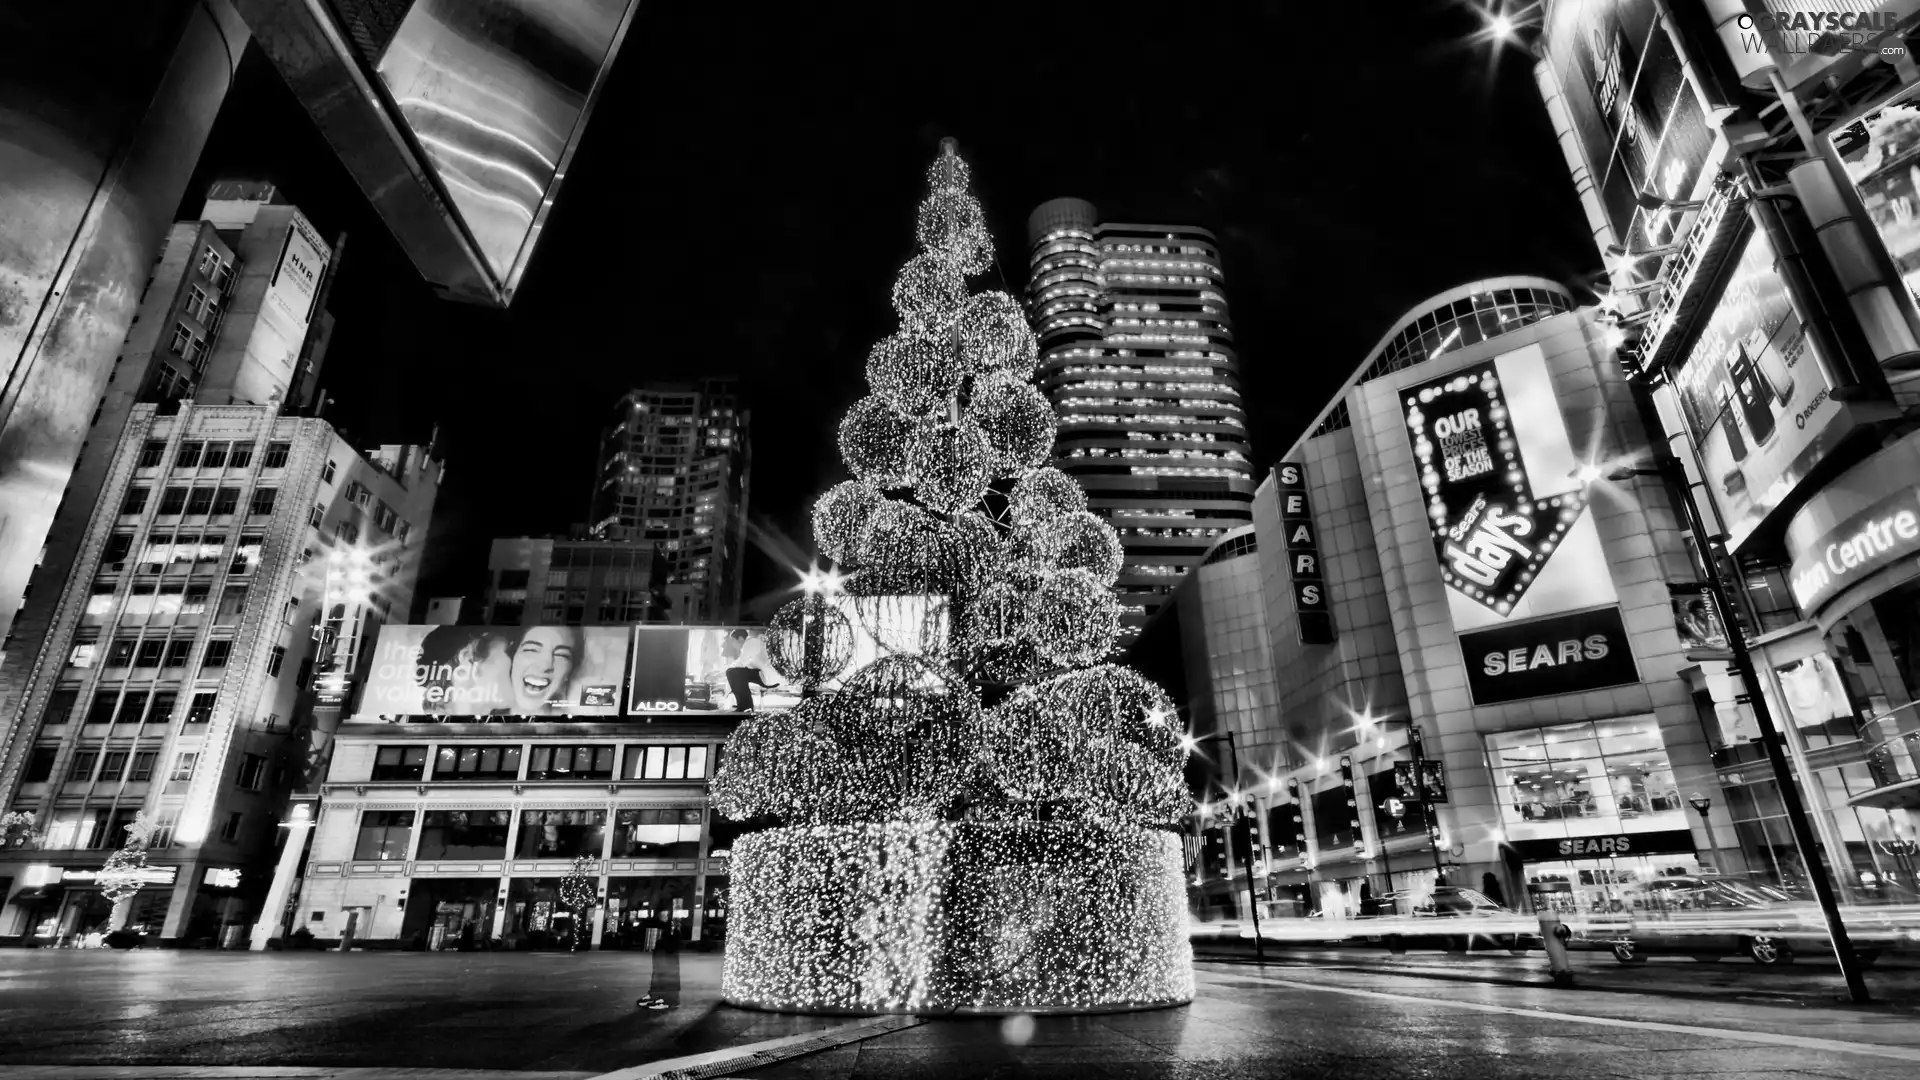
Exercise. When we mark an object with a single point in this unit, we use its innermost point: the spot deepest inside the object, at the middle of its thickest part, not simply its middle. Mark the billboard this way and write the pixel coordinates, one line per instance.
(450, 672)
(1881, 152)
(1508, 518)
(1755, 397)
(1641, 124)
(705, 669)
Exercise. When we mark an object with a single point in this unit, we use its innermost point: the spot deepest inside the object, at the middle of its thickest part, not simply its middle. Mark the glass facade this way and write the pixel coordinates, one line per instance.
(1608, 776)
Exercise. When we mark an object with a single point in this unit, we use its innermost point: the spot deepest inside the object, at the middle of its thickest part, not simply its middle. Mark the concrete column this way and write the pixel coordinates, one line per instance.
(699, 922)
(285, 873)
(180, 904)
(102, 120)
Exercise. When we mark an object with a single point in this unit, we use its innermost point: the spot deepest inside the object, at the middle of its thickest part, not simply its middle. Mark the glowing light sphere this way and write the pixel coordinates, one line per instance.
(1044, 493)
(995, 336)
(906, 550)
(977, 545)
(952, 226)
(1075, 618)
(952, 464)
(1016, 419)
(948, 173)
(776, 764)
(840, 518)
(917, 375)
(874, 439)
(928, 294)
(1086, 542)
(831, 650)
(904, 625)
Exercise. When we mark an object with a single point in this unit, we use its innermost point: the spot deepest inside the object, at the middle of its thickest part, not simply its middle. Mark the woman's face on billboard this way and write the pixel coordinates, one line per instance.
(542, 667)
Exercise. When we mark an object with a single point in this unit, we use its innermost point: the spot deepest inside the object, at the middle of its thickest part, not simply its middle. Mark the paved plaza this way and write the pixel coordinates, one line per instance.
(529, 1016)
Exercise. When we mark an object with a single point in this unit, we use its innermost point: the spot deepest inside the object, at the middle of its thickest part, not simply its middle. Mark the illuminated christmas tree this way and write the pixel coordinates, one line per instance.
(580, 894)
(125, 872)
(975, 811)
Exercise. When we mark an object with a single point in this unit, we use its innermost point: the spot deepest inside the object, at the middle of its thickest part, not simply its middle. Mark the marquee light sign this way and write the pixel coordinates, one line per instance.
(1491, 534)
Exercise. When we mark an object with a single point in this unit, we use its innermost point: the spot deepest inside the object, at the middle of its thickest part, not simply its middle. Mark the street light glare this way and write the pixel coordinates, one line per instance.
(1502, 28)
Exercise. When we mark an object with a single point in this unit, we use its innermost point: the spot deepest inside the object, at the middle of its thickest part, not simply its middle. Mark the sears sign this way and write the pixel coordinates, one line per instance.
(1562, 655)
(1303, 555)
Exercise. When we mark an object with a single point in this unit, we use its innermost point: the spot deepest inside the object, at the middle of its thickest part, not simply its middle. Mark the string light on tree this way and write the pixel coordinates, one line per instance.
(580, 893)
(932, 854)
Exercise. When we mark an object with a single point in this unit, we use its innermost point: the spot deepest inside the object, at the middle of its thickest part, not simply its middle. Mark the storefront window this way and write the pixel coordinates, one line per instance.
(1333, 820)
(1587, 778)
(642, 911)
(464, 834)
(658, 834)
(560, 834)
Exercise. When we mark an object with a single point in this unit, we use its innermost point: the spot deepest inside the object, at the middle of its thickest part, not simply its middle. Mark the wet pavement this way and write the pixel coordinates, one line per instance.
(363, 1016)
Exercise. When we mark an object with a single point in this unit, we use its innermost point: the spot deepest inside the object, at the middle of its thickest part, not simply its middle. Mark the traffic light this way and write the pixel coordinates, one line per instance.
(1243, 841)
(1353, 799)
(1213, 853)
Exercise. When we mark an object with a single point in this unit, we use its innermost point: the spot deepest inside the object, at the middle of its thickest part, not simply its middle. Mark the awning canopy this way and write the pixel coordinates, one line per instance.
(38, 894)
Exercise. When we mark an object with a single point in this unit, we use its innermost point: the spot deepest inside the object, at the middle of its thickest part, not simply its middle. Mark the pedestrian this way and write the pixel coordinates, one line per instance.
(1368, 906)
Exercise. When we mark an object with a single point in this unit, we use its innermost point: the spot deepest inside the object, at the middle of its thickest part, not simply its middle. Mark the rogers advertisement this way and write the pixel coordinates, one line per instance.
(1754, 396)
(444, 672)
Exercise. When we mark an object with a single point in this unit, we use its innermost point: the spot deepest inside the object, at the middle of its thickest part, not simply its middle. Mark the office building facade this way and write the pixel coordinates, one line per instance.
(1137, 356)
(534, 581)
(675, 471)
(225, 587)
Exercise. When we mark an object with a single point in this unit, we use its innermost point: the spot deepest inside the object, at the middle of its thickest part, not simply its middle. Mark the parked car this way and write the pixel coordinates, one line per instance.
(1462, 917)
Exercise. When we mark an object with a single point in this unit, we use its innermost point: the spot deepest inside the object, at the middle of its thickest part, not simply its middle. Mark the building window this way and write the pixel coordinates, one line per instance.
(189, 455)
(132, 708)
(226, 500)
(399, 763)
(570, 763)
(183, 765)
(40, 765)
(135, 502)
(665, 763)
(102, 709)
(120, 653)
(113, 766)
(143, 763)
(513, 579)
(464, 834)
(345, 532)
(179, 649)
(182, 339)
(60, 706)
(200, 500)
(253, 769)
(119, 546)
(326, 474)
(215, 457)
(246, 555)
(316, 515)
(384, 835)
(262, 502)
(277, 453)
(560, 834)
(231, 830)
(240, 456)
(233, 601)
(163, 826)
(477, 763)
(81, 770)
(201, 710)
(152, 453)
(218, 652)
(173, 500)
(161, 711)
(149, 652)
(275, 658)
(1608, 776)
(657, 834)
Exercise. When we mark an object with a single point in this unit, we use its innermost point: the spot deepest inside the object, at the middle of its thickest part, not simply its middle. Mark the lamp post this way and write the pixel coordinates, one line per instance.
(1702, 805)
(1253, 898)
(1397, 810)
(273, 912)
(1669, 469)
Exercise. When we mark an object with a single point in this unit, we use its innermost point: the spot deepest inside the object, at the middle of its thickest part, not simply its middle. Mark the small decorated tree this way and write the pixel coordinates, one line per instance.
(125, 871)
(979, 818)
(581, 894)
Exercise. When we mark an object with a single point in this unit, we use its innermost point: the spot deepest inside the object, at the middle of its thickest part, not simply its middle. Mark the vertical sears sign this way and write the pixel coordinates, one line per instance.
(1640, 123)
(1520, 557)
(1303, 556)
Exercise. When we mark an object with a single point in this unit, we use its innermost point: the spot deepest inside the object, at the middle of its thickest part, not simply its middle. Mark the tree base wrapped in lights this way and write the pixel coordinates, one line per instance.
(979, 918)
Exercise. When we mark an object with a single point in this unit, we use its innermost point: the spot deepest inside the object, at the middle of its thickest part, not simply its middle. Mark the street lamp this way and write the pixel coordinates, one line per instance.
(1701, 805)
(1669, 469)
(1188, 742)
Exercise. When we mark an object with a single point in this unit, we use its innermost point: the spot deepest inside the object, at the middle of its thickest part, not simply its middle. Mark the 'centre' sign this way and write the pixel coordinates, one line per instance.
(1877, 537)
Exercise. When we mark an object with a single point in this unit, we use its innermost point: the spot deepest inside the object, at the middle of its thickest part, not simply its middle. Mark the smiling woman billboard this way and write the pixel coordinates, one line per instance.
(470, 671)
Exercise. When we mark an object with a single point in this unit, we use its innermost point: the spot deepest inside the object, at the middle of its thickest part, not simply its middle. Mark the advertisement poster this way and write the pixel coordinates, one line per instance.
(1497, 469)
(1696, 620)
(457, 672)
(1639, 120)
(705, 669)
(1813, 691)
(1754, 397)
(1882, 155)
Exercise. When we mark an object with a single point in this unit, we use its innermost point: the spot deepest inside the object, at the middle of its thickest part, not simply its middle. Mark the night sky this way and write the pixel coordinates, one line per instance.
(747, 186)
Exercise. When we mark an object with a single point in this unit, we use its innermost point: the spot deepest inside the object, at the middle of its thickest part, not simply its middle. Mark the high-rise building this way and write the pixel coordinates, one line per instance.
(536, 581)
(675, 466)
(1136, 354)
(232, 314)
(227, 583)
